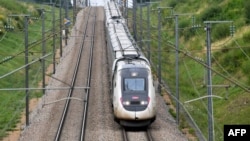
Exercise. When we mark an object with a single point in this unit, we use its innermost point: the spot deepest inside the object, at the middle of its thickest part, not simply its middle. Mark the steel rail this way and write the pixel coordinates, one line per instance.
(124, 135)
(65, 110)
(149, 136)
(84, 119)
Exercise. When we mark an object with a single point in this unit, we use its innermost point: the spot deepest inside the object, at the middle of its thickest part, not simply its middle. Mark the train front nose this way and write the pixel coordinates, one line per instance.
(135, 103)
(137, 110)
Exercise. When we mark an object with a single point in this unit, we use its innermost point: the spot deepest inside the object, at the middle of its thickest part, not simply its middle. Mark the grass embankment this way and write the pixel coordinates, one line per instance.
(12, 57)
(230, 58)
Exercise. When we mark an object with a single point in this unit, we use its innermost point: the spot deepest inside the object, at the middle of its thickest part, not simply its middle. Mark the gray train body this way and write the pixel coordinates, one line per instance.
(132, 90)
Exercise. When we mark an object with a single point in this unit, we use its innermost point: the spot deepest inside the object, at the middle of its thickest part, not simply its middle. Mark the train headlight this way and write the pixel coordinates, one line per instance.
(126, 103)
(144, 102)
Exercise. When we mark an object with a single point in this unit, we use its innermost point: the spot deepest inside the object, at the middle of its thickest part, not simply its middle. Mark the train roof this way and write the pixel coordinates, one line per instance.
(126, 51)
(132, 64)
(112, 11)
(122, 63)
(121, 40)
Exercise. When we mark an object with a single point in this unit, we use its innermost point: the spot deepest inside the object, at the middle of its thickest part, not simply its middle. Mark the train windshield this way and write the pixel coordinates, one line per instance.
(134, 84)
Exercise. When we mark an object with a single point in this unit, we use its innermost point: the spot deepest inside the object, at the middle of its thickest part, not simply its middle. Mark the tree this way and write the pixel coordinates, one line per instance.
(247, 11)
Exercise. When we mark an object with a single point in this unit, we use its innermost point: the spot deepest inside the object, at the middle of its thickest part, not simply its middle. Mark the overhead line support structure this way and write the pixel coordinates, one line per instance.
(209, 78)
(26, 60)
(159, 46)
(148, 30)
(176, 16)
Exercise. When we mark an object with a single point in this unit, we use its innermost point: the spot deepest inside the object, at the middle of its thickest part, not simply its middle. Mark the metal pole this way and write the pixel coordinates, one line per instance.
(124, 8)
(159, 50)
(177, 67)
(159, 47)
(209, 79)
(133, 21)
(148, 26)
(43, 49)
(149, 29)
(54, 40)
(127, 11)
(140, 24)
(66, 16)
(60, 28)
(134, 18)
(209, 87)
(26, 68)
(74, 11)
(193, 23)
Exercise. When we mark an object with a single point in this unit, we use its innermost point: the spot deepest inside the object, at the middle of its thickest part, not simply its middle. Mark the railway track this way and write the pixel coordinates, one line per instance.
(84, 119)
(97, 123)
(81, 73)
(143, 134)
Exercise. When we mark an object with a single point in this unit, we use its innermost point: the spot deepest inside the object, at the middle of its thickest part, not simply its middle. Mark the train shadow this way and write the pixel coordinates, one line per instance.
(136, 129)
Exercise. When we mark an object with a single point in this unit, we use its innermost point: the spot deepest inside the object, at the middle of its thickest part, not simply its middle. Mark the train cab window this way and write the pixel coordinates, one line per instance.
(134, 84)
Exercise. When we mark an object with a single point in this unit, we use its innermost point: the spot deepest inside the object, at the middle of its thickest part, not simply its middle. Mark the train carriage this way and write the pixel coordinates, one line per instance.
(133, 93)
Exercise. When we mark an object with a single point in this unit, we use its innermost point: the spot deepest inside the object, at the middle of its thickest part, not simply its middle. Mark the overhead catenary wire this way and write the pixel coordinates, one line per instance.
(241, 49)
(215, 71)
(31, 45)
(187, 53)
(11, 72)
(193, 84)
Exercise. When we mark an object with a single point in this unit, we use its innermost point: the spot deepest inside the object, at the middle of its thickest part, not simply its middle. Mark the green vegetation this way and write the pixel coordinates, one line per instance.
(12, 56)
(230, 58)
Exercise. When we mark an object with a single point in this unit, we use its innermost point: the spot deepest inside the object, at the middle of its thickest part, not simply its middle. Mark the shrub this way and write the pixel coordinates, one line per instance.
(211, 13)
(186, 30)
(232, 60)
(2, 17)
(247, 11)
(246, 37)
(173, 3)
(13, 6)
(245, 67)
(232, 10)
(220, 31)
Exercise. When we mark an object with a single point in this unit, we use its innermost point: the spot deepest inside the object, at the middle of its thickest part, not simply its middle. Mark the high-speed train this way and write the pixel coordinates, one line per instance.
(132, 89)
